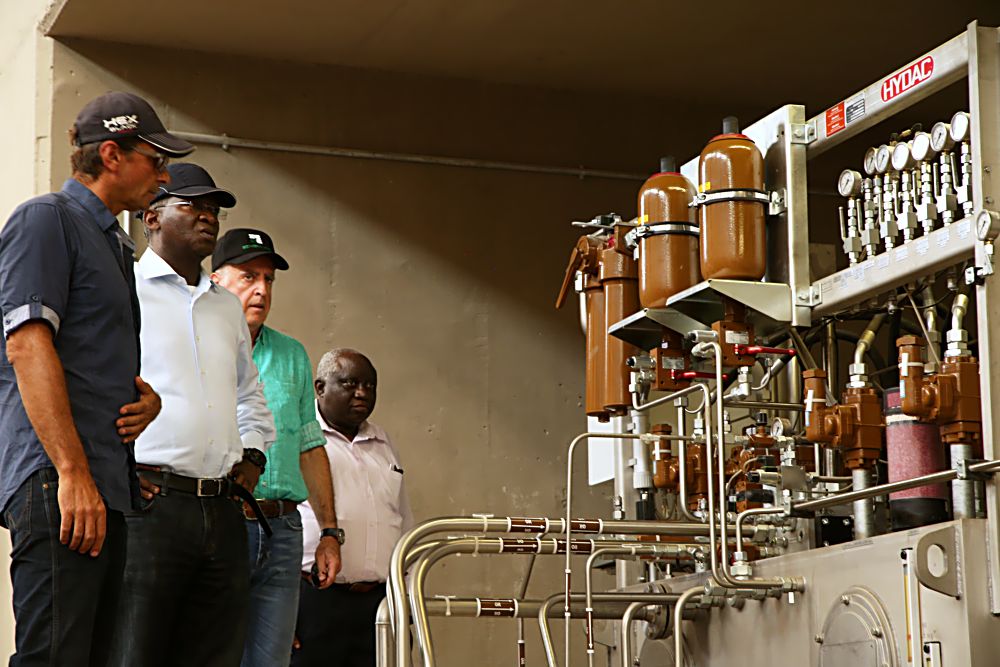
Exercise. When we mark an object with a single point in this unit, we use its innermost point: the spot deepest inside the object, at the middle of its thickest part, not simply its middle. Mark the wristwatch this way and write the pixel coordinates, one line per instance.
(256, 457)
(335, 533)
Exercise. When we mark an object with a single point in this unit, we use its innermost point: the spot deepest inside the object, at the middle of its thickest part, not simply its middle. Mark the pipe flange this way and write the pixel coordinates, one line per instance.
(659, 624)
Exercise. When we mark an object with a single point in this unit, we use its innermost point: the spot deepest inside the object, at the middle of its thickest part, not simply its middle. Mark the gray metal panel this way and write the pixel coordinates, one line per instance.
(779, 633)
(950, 65)
(984, 104)
(918, 258)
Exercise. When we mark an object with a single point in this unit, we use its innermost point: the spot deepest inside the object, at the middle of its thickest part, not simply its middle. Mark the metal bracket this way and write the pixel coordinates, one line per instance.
(962, 469)
(809, 296)
(777, 205)
(753, 196)
(802, 133)
(947, 582)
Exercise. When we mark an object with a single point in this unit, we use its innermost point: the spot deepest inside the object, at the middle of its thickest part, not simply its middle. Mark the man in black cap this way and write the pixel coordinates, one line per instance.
(186, 577)
(244, 262)
(71, 399)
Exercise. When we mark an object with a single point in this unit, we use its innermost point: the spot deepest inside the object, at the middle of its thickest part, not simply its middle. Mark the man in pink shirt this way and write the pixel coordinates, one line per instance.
(336, 626)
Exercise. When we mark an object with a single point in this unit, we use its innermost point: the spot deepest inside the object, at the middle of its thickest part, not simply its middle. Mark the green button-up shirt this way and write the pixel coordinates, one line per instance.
(287, 376)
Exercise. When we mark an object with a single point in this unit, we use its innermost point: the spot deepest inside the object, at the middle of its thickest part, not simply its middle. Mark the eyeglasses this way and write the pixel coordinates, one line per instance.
(202, 206)
(159, 160)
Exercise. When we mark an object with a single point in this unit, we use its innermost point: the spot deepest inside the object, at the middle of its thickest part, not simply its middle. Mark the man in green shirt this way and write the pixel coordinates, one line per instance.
(244, 262)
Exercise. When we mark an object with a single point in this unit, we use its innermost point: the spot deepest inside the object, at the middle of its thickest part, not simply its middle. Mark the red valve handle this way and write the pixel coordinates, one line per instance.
(691, 375)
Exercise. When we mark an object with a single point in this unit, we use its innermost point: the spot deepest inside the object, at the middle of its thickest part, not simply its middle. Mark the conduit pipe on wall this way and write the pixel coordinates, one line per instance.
(226, 142)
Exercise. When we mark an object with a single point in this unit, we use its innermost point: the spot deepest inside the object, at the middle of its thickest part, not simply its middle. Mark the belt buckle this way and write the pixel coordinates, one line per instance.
(202, 483)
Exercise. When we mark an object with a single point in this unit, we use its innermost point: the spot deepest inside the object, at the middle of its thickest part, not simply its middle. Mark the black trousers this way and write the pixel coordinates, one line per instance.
(186, 587)
(336, 627)
(64, 601)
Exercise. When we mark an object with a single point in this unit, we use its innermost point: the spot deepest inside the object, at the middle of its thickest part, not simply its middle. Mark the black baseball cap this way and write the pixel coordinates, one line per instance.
(118, 115)
(241, 245)
(190, 180)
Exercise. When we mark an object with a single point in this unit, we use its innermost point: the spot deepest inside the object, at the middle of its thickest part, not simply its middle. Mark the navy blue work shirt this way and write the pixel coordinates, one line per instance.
(61, 262)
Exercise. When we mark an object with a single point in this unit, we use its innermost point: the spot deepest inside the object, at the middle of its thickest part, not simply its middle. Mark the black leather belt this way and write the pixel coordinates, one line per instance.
(204, 487)
(272, 509)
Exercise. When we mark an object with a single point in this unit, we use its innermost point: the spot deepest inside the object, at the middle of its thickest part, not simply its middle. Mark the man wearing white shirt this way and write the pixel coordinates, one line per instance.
(186, 582)
(336, 626)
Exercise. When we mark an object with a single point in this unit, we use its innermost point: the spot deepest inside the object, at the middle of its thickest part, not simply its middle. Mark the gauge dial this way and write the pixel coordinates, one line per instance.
(870, 161)
(849, 183)
(883, 159)
(960, 125)
(986, 225)
(941, 137)
(921, 149)
(780, 426)
(902, 159)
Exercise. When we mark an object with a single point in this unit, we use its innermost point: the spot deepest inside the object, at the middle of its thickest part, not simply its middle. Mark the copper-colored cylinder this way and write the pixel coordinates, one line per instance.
(733, 233)
(621, 299)
(596, 338)
(668, 248)
(814, 389)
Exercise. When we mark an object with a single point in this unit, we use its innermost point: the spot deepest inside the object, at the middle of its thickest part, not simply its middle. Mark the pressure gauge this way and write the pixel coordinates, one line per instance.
(987, 225)
(921, 147)
(960, 125)
(780, 426)
(883, 159)
(902, 159)
(849, 183)
(870, 161)
(941, 137)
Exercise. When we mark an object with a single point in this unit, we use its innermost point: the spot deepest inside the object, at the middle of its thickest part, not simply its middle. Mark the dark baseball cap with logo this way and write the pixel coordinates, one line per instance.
(191, 180)
(241, 245)
(118, 115)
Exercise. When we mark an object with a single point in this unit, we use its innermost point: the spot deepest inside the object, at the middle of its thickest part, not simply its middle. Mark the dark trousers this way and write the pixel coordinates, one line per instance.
(186, 585)
(336, 627)
(64, 601)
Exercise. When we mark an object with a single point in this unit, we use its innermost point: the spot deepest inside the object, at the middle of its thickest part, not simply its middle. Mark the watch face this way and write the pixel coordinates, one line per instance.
(921, 149)
(849, 183)
(941, 137)
(960, 125)
(882, 159)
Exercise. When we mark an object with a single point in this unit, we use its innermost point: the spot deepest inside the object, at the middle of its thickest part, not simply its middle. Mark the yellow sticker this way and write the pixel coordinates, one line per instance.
(643, 219)
(707, 185)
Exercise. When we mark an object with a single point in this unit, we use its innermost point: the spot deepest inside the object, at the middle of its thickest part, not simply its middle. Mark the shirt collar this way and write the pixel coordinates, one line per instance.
(91, 202)
(152, 266)
(366, 432)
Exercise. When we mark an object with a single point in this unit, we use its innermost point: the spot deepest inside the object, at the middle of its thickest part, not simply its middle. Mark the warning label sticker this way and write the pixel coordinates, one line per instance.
(854, 109)
(835, 119)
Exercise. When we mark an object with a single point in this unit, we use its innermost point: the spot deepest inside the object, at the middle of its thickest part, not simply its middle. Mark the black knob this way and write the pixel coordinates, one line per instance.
(730, 125)
(668, 164)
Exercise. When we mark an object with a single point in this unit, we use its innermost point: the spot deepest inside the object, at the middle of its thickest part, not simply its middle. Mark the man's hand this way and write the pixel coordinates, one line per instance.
(135, 417)
(246, 475)
(147, 489)
(84, 524)
(327, 561)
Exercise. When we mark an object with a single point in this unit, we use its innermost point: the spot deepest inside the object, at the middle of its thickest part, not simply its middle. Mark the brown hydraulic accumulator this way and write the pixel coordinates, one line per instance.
(667, 244)
(732, 203)
(619, 278)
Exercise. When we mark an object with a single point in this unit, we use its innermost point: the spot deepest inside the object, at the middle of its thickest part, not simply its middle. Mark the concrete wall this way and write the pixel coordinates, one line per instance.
(444, 276)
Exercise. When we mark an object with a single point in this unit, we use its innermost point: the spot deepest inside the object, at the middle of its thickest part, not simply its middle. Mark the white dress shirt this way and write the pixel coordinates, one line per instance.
(371, 502)
(196, 355)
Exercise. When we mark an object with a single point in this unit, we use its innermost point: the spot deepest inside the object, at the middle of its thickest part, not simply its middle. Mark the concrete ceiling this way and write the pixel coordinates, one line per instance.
(704, 53)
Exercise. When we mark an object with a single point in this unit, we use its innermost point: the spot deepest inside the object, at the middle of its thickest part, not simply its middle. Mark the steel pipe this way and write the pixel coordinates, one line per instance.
(892, 487)
(622, 597)
(679, 621)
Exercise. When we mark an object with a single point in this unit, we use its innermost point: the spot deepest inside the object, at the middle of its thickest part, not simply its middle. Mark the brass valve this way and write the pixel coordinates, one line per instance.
(854, 426)
(949, 398)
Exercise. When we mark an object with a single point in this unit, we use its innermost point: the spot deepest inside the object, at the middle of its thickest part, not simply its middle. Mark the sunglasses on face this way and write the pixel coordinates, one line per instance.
(159, 160)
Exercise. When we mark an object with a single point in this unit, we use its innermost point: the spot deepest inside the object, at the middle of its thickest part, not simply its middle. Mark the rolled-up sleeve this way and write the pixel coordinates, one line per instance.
(253, 417)
(34, 268)
(310, 435)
